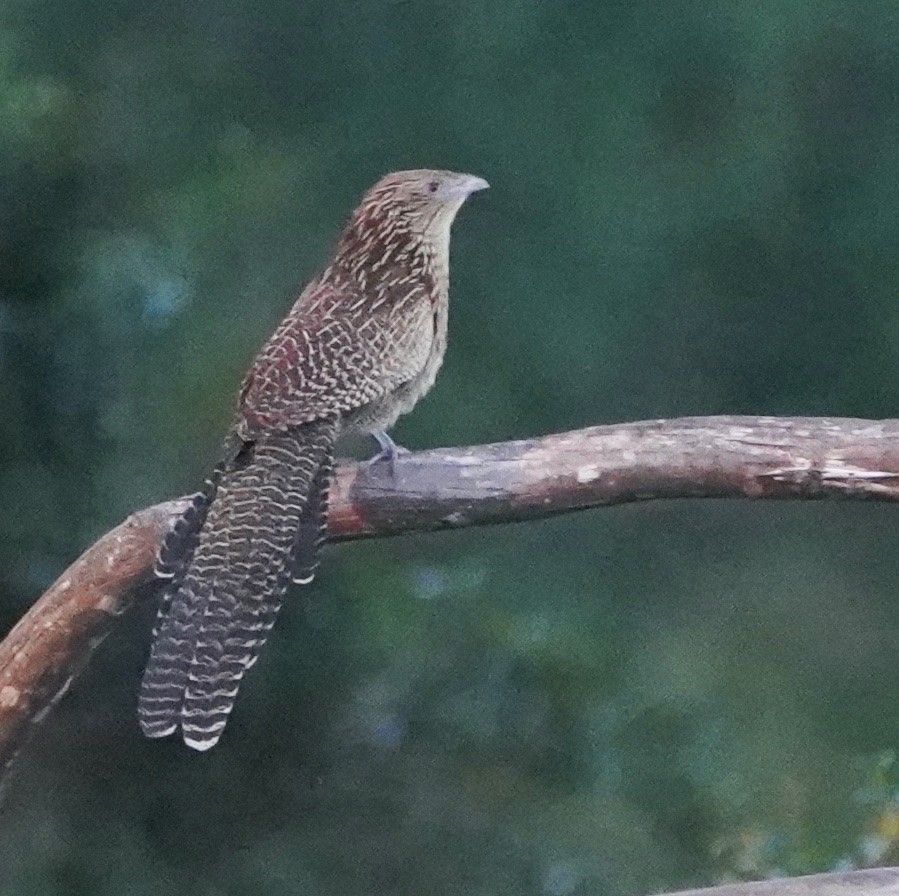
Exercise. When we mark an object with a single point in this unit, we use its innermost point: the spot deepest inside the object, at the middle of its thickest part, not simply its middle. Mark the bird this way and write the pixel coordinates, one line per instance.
(360, 346)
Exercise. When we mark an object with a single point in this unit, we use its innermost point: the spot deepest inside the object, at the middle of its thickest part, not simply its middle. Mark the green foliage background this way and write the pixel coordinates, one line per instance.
(695, 210)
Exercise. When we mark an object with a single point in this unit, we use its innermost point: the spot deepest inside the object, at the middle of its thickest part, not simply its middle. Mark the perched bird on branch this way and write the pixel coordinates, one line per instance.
(360, 346)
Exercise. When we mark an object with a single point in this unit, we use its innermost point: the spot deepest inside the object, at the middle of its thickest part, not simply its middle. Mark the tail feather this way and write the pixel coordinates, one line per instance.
(233, 584)
(313, 527)
(177, 549)
(178, 546)
(161, 694)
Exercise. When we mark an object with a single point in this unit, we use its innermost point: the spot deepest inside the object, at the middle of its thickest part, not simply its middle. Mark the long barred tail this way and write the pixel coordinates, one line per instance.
(238, 547)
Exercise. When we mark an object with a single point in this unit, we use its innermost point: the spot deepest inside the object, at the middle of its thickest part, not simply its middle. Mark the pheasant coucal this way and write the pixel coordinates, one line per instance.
(361, 345)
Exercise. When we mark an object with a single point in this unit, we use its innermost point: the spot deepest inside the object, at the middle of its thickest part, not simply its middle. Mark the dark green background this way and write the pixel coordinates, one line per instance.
(695, 210)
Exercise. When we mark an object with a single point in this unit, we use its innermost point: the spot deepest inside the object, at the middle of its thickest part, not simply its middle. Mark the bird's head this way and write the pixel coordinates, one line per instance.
(403, 224)
(428, 199)
(420, 203)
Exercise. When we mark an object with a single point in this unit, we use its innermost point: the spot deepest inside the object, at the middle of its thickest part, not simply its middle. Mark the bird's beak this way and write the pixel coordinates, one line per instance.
(465, 186)
(473, 184)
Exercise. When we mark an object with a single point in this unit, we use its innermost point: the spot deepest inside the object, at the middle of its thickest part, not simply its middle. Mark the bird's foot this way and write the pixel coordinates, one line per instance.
(389, 452)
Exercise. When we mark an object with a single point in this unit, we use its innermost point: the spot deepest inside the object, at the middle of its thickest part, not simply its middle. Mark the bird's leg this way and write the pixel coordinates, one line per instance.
(390, 451)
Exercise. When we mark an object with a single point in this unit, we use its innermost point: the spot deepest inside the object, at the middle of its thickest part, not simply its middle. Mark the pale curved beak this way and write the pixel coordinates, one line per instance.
(472, 184)
(465, 186)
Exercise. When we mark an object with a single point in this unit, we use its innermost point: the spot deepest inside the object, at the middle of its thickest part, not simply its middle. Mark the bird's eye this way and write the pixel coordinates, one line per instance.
(432, 186)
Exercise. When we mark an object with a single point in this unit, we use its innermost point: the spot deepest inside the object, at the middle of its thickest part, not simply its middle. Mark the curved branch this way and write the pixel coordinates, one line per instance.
(703, 457)
(869, 882)
(692, 457)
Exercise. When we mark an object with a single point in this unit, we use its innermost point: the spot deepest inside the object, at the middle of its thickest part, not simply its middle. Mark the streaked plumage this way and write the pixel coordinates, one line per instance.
(360, 346)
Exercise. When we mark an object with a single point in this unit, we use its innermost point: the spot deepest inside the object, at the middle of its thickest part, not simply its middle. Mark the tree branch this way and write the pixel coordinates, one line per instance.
(703, 457)
(869, 882)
